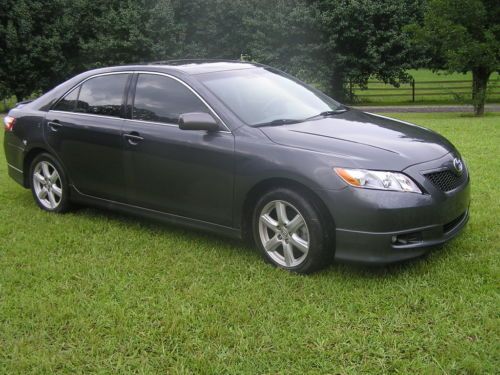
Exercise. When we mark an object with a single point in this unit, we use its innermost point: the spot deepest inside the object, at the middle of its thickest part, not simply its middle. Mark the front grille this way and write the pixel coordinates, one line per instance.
(446, 180)
(452, 224)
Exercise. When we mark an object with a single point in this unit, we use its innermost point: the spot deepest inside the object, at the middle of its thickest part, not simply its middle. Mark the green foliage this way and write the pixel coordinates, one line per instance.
(98, 292)
(462, 36)
(323, 41)
(114, 32)
(365, 38)
(30, 47)
(286, 35)
(329, 43)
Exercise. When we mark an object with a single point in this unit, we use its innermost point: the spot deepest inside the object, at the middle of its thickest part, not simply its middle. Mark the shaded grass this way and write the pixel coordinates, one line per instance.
(94, 291)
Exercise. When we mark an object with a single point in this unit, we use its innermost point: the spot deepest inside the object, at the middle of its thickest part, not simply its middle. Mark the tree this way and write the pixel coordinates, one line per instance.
(366, 38)
(211, 28)
(38, 40)
(284, 34)
(333, 42)
(111, 32)
(462, 36)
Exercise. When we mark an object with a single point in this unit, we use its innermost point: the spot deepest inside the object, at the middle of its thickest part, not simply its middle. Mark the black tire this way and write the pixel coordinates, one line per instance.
(59, 188)
(318, 231)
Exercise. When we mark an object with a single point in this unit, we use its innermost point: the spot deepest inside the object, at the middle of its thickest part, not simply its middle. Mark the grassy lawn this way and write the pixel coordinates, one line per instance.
(429, 75)
(451, 91)
(93, 291)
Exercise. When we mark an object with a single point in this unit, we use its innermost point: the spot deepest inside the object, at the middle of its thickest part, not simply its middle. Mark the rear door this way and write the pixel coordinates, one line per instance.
(84, 130)
(184, 172)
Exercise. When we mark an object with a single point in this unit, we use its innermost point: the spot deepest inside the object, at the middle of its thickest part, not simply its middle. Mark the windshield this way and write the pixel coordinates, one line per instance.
(262, 96)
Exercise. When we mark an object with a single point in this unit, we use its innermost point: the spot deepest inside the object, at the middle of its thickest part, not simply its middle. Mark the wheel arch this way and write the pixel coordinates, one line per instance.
(30, 156)
(277, 182)
(28, 159)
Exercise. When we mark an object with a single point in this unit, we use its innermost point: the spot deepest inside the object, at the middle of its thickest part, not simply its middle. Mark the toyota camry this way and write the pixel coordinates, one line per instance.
(244, 150)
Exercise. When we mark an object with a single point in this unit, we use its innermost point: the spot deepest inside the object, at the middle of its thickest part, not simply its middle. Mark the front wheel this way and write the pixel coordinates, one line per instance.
(291, 232)
(48, 184)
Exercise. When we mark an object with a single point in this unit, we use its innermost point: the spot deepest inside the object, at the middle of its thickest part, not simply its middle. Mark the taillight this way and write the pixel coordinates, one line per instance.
(9, 122)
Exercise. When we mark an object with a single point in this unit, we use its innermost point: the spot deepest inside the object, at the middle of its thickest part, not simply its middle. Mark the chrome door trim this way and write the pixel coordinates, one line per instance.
(86, 114)
(171, 125)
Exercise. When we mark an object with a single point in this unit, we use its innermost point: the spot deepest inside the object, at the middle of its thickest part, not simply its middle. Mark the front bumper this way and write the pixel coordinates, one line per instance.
(381, 227)
(390, 247)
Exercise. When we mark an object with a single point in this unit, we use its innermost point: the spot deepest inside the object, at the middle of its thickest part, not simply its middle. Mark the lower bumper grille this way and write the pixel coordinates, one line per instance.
(452, 224)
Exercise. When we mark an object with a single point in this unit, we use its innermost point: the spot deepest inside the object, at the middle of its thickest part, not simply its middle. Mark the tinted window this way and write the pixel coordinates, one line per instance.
(162, 99)
(102, 95)
(68, 103)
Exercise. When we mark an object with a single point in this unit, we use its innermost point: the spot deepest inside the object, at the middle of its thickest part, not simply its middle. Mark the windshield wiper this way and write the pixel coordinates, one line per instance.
(328, 113)
(286, 121)
(277, 122)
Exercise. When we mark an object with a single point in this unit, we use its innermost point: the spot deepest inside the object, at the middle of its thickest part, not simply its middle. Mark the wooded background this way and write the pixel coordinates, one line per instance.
(325, 42)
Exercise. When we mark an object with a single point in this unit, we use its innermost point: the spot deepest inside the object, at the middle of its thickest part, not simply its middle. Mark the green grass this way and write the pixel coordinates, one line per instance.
(429, 75)
(450, 92)
(93, 291)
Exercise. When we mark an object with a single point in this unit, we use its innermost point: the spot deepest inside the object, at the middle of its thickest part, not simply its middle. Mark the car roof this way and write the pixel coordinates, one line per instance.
(177, 68)
(197, 66)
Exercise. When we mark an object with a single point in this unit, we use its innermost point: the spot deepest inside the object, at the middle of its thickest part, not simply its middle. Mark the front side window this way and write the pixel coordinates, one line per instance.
(102, 95)
(162, 99)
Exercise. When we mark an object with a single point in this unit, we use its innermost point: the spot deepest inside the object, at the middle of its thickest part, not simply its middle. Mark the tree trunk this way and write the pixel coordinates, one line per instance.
(480, 78)
(19, 96)
(337, 86)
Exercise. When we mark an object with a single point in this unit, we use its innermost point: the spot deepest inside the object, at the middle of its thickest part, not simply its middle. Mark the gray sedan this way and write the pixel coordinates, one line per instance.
(243, 150)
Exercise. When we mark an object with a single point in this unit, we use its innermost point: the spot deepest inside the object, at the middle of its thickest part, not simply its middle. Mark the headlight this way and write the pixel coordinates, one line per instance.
(363, 178)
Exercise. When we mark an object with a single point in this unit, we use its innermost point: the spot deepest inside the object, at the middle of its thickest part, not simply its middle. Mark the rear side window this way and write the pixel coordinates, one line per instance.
(68, 103)
(163, 99)
(102, 95)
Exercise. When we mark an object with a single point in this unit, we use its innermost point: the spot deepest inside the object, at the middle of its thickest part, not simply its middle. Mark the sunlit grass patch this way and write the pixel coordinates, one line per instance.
(95, 291)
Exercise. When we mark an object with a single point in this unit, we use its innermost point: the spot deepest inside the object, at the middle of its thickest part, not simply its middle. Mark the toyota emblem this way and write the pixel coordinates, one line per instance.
(458, 165)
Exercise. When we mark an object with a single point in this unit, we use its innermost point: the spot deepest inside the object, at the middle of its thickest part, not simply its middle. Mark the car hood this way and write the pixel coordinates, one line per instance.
(364, 140)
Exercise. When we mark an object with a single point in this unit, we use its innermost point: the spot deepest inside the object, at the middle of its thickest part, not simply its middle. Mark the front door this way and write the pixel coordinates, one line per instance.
(181, 172)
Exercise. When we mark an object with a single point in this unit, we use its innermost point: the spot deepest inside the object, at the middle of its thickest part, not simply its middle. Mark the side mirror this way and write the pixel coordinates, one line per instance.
(197, 121)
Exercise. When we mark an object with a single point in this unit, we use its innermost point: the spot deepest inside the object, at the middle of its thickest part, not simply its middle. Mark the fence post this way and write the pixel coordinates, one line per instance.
(351, 93)
(413, 90)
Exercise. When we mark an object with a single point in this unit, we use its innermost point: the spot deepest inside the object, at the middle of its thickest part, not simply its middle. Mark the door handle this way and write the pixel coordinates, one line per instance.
(54, 125)
(133, 138)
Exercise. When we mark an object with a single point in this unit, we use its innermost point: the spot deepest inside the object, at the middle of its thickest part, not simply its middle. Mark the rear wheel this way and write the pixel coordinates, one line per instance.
(48, 184)
(291, 232)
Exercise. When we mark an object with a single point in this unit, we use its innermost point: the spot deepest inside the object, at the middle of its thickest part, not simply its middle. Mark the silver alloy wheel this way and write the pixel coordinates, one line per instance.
(47, 184)
(284, 233)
